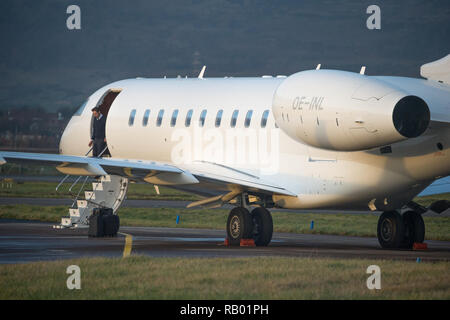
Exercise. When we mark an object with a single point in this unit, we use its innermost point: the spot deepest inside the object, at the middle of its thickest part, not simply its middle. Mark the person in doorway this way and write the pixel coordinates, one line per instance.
(98, 139)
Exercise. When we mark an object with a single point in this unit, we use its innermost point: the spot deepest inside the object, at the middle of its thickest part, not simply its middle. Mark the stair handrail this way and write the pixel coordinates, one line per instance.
(79, 191)
(68, 175)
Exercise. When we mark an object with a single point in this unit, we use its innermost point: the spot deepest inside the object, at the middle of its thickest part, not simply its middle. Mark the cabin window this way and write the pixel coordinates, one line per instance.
(234, 117)
(187, 122)
(264, 117)
(145, 119)
(202, 118)
(248, 118)
(131, 118)
(219, 117)
(173, 121)
(160, 118)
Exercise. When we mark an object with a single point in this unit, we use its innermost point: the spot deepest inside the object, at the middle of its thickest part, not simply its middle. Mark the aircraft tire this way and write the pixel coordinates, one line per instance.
(415, 228)
(239, 225)
(262, 226)
(391, 230)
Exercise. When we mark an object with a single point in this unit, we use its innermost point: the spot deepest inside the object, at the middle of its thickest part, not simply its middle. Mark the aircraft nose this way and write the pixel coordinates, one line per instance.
(76, 136)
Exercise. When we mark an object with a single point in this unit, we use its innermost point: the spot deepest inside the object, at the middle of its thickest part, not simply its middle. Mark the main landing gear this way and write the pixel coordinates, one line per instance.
(256, 225)
(400, 231)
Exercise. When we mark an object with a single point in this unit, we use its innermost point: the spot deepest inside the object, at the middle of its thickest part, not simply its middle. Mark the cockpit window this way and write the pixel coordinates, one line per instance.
(80, 109)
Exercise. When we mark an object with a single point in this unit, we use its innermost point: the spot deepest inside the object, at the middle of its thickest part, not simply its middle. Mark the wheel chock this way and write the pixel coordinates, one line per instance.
(226, 243)
(247, 243)
(420, 246)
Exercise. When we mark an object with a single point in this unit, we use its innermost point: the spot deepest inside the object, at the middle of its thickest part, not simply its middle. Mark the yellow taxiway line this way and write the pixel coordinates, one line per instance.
(128, 244)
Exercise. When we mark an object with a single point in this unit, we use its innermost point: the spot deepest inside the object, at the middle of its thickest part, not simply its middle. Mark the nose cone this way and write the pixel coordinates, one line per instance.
(411, 116)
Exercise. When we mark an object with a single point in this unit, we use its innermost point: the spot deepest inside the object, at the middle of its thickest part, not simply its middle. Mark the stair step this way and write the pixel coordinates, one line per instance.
(74, 212)
(105, 178)
(82, 203)
(89, 195)
(66, 221)
(97, 186)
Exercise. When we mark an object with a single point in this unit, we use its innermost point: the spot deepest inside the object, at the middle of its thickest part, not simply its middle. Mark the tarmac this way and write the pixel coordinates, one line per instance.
(25, 241)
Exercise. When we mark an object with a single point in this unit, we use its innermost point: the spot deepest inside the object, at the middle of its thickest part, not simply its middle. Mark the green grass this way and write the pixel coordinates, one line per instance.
(29, 170)
(235, 278)
(47, 190)
(437, 228)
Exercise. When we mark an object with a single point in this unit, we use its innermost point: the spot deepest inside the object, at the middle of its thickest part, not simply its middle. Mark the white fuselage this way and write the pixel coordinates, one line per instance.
(321, 178)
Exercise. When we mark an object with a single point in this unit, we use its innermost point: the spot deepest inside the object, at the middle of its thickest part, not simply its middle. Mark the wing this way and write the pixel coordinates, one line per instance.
(88, 166)
(232, 179)
(216, 176)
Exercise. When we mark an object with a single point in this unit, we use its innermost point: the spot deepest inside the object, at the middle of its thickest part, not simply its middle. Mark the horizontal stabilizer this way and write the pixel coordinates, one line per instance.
(438, 70)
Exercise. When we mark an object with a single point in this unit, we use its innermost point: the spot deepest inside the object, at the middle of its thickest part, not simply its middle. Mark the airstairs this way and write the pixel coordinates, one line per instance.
(107, 192)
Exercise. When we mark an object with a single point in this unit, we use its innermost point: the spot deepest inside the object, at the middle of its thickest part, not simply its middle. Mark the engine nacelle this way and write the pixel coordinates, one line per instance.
(346, 111)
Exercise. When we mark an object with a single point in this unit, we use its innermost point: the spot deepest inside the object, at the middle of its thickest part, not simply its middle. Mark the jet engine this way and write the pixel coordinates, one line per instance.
(346, 111)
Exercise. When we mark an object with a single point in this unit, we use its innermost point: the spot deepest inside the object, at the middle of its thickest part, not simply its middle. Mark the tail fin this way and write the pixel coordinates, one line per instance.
(438, 70)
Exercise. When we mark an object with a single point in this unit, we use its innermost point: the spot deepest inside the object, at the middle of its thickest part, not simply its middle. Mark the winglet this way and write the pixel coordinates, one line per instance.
(318, 66)
(202, 72)
(363, 70)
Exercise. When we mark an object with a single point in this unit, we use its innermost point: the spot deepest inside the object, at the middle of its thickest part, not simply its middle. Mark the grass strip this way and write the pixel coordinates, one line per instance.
(365, 225)
(139, 277)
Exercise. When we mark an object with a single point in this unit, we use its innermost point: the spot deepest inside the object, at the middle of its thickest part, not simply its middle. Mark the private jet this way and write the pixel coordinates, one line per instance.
(317, 139)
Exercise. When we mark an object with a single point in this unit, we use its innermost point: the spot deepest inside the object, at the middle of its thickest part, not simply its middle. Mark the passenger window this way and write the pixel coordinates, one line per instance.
(187, 122)
(248, 118)
(145, 119)
(160, 118)
(131, 119)
(202, 118)
(234, 117)
(173, 121)
(219, 117)
(264, 119)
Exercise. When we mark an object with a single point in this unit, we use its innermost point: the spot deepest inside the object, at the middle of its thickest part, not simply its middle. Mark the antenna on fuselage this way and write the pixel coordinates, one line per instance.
(202, 72)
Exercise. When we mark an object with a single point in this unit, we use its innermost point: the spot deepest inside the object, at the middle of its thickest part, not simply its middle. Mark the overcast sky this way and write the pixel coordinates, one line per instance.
(43, 63)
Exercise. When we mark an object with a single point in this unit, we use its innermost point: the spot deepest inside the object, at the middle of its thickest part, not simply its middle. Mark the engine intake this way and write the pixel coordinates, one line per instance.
(411, 116)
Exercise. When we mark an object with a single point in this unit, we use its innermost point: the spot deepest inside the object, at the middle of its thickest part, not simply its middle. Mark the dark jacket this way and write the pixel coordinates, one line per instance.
(98, 131)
